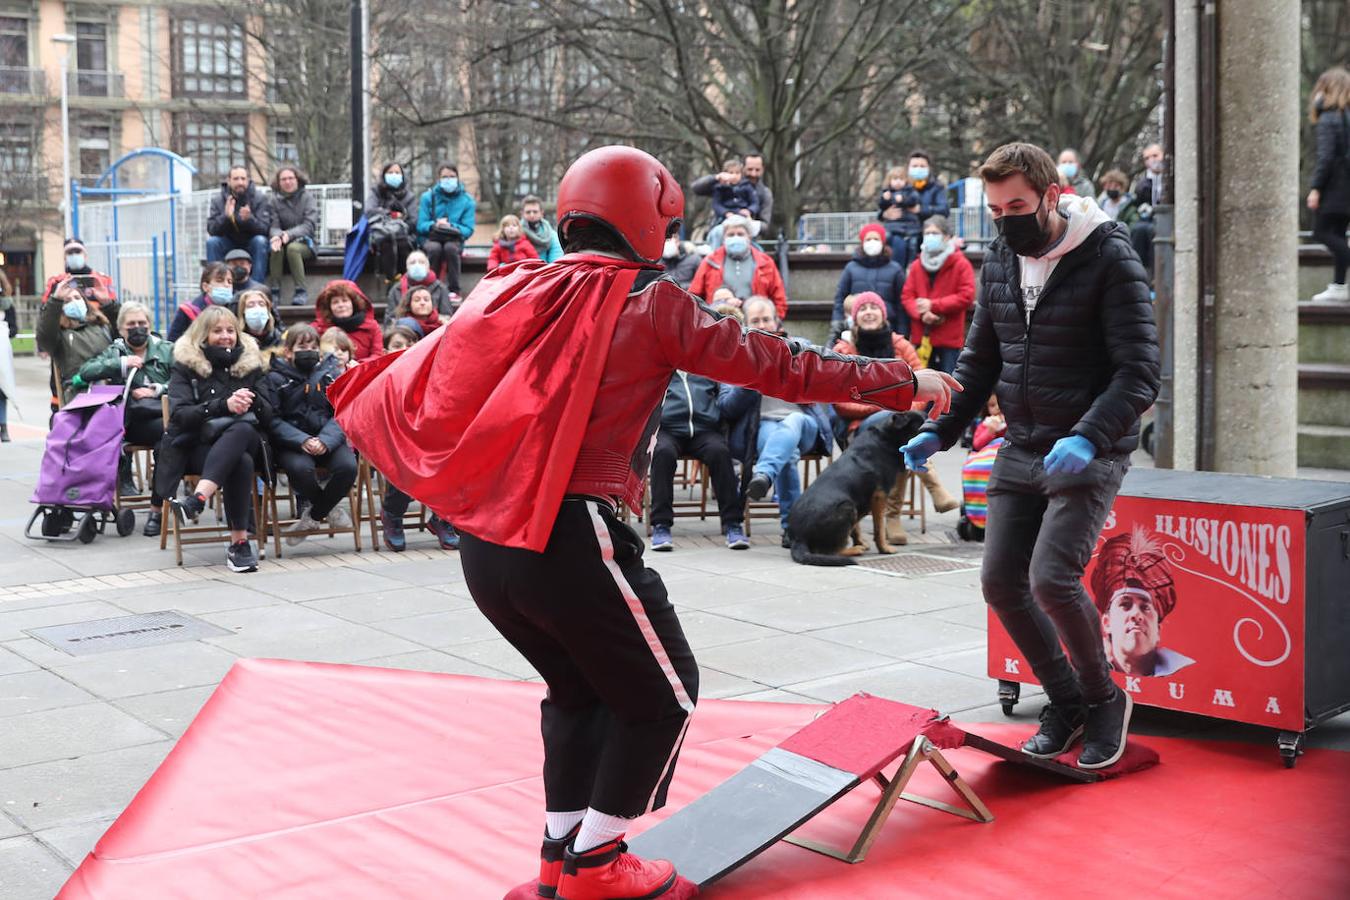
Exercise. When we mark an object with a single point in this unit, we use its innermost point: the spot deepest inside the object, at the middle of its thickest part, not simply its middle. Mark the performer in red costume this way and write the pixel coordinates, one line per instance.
(528, 447)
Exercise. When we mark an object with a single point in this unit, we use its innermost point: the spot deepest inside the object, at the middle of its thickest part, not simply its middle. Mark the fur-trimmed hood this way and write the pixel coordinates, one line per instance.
(192, 356)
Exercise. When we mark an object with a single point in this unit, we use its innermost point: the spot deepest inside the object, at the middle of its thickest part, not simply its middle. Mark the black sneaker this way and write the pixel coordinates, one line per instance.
(393, 532)
(187, 507)
(241, 558)
(1060, 727)
(758, 488)
(1104, 733)
(152, 524)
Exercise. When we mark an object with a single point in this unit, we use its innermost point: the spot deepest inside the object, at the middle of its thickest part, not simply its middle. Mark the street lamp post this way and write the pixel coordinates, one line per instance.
(64, 43)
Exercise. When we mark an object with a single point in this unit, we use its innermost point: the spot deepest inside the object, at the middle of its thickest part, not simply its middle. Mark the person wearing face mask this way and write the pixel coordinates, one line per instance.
(680, 260)
(391, 218)
(1116, 200)
(1072, 170)
(217, 284)
(741, 267)
(445, 220)
(295, 226)
(938, 292)
(418, 274)
(1147, 194)
(240, 218)
(71, 331)
(241, 272)
(305, 434)
(254, 310)
(871, 269)
(96, 286)
(509, 245)
(1063, 332)
(908, 198)
(218, 410)
(145, 361)
(341, 303)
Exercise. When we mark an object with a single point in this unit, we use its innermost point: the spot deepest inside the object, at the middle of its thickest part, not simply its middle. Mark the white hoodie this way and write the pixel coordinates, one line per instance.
(1084, 216)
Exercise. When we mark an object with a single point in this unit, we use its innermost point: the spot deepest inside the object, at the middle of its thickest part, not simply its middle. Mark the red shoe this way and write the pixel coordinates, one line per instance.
(610, 872)
(551, 861)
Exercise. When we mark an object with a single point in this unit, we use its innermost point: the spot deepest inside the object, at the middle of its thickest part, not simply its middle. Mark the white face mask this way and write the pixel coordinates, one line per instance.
(672, 249)
(872, 247)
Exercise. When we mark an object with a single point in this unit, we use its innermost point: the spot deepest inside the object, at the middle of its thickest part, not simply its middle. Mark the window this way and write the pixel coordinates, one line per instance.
(91, 59)
(95, 148)
(18, 177)
(14, 73)
(213, 145)
(285, 149)
(208, 59)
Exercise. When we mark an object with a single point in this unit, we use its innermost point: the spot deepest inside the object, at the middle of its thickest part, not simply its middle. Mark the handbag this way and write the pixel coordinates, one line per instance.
(442, 233)
(214, 427)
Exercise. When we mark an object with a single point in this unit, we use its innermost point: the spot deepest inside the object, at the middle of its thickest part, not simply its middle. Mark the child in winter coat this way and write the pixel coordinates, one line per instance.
(419, 306)
(733, 195)
(510, 245)
(336, 342)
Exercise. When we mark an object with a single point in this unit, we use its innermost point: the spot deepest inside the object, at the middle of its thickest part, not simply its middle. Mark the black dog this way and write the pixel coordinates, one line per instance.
(826, 516)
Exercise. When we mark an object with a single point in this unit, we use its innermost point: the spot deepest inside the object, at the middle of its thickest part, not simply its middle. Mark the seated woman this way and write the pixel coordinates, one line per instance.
(145, 361)
(217, 284)
(419, 306)
(217, 404)
(419, 274)
(335, 342)
(71, 331)
(341, 303)
(254, 310)
(305, 434)
(873, 337)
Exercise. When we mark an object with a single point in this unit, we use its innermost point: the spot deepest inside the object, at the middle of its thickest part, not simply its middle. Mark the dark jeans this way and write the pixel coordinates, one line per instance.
(709, 447)
(229, 463)
(389, 253)
(301, 468)
(446, 252)
(148, 432)
(944, 359)
(1141, 236)
(599, 627)
(1039, 538)
(1329, 229)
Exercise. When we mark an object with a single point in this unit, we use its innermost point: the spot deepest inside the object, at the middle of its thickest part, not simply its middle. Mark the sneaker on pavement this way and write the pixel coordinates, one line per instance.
(758, 488)
(736, 539)
(1060, 727)
(296, 533)
(661, 539)
(153, 523)
(241, 558)
(609, 872)
(338, 517)
(445, 533)
(393, 532)
(1105, 730)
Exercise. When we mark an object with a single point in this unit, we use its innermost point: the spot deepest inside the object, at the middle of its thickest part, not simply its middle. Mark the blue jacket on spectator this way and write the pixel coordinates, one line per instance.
(437, 204)
(740, 408)
(690, 406)
(881, 274)
(734, 198)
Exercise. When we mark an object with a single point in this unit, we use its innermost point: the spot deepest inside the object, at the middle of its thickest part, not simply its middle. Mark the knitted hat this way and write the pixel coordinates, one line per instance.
(873, 228)
(868, 298)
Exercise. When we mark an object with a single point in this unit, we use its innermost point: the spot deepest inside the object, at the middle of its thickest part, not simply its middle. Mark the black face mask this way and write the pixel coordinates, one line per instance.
(137, 337)
(239, 274)
(223, 357)
(1025, 235)
(1113, 193)
(306, 360)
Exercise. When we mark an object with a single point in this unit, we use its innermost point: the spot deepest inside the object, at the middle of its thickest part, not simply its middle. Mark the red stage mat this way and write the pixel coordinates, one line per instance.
(305, 780)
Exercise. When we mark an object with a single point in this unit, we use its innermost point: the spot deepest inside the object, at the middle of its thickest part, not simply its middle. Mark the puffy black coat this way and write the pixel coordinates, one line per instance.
(1331, 174)
(690, 406)
(198, 390)
(881, 274)
(300, 404)
(1088, 362)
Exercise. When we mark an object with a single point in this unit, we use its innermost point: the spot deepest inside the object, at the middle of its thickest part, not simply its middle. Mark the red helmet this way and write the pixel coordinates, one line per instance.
(626, 189)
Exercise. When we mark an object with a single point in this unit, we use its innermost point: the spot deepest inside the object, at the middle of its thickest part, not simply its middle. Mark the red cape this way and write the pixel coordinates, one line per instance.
(482, 419)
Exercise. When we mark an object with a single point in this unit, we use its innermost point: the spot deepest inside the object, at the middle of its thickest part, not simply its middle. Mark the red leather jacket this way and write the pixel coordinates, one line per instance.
(662, 328)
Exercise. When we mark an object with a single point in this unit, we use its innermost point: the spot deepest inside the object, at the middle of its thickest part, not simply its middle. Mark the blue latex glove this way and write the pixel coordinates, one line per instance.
(919, 449)
(1070, 455)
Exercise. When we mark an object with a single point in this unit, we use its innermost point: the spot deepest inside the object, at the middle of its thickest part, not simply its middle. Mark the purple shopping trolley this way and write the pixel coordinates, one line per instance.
(78, 478)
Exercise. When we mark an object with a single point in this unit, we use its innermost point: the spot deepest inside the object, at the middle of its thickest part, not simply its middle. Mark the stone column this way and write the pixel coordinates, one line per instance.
(1186, 231)
(1256, 361)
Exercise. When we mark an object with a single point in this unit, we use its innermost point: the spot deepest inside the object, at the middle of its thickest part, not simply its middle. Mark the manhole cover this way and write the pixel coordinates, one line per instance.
(962, 550)
(125, 633)
(916, 564)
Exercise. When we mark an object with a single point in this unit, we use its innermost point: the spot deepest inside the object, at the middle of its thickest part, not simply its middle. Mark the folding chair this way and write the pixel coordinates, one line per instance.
(768, 509)
(278, 524)
(914, 500)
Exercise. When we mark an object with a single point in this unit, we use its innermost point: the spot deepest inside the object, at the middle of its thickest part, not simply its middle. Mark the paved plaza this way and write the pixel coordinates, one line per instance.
(80, 734)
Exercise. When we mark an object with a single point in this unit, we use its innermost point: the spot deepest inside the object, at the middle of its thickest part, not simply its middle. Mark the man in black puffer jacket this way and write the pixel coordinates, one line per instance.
(1064, 334)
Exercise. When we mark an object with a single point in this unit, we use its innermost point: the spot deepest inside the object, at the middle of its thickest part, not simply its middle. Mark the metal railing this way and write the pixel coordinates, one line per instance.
(15, 80)
(838, 231)
(87, 83)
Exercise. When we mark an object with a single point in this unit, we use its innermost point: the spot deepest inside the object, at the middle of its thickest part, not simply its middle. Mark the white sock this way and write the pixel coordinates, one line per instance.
(598, 828)
(559, 823)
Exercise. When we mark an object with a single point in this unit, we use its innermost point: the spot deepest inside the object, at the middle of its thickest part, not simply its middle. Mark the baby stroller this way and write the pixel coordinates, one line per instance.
(78, 478)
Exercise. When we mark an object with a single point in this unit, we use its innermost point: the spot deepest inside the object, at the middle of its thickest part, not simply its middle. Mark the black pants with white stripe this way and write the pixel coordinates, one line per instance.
(598, 626)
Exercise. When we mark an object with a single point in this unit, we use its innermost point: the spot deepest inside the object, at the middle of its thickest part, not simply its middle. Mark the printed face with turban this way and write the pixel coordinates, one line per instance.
(1134, 591)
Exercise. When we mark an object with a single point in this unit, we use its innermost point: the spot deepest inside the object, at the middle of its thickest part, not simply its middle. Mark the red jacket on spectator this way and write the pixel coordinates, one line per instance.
(367, 338)
(854, 413)
(766, 281)
(502, 253)
(952, 291)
